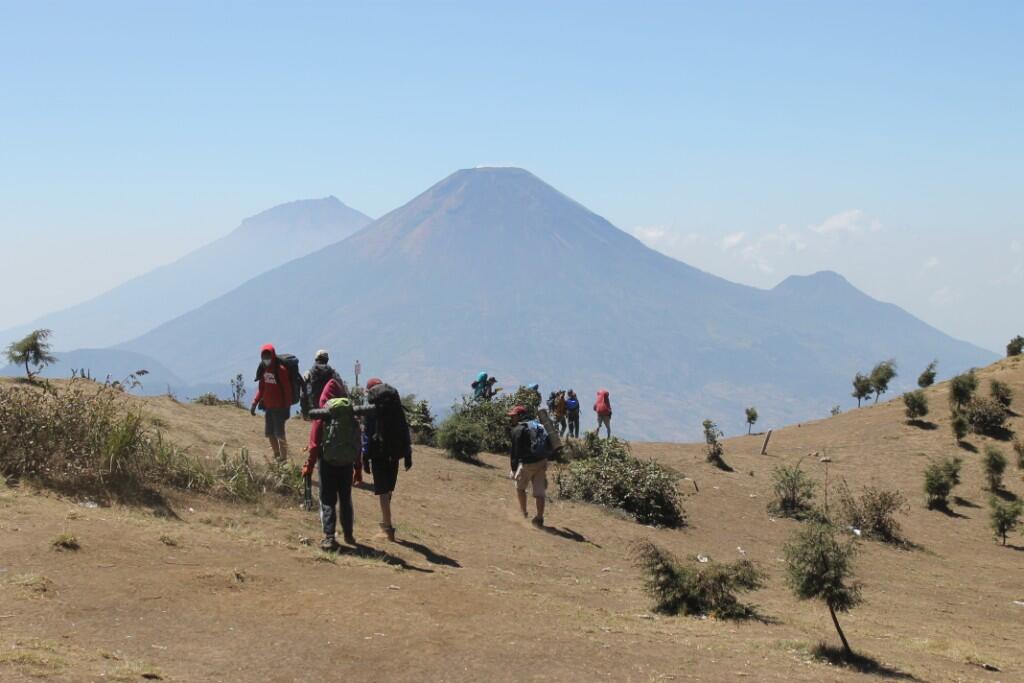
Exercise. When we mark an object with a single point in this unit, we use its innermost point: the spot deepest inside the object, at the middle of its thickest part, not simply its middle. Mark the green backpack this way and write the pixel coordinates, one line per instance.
(340, 434)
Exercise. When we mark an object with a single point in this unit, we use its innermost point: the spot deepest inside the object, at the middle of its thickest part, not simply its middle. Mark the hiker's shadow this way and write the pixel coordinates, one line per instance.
(568, 534)
(370, 553)
(431, 556)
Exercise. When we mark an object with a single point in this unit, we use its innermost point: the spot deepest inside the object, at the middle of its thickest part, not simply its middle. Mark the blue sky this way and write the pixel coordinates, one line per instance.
(883, 140)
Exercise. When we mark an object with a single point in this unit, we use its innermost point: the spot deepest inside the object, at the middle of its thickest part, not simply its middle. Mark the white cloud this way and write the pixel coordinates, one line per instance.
(732, 240)
(849, 221)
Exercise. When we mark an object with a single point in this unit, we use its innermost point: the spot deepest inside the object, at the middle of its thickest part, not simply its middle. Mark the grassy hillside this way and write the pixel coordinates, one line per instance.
(221, 591)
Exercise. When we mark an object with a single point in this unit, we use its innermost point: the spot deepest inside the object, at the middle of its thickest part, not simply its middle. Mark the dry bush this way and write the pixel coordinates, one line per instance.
(874, 512)
(793, 491)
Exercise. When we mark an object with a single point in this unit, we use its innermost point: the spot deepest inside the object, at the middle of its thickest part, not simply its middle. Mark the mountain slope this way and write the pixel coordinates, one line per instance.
(260, 243)
(494, 269)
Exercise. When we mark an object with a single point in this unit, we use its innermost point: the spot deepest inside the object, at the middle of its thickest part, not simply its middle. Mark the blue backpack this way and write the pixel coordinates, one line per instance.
(538, 439)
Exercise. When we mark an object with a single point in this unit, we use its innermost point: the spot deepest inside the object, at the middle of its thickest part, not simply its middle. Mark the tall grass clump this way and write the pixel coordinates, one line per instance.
(793, 493)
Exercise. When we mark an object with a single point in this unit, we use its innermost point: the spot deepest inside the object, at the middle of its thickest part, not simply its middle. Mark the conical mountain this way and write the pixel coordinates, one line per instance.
(261, 242)
(493, 269)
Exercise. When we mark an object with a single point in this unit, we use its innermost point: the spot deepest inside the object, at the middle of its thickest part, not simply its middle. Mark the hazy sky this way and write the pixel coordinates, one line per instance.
(883, 140)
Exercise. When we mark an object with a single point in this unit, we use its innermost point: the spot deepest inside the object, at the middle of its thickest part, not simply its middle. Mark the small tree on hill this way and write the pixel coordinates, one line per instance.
(962, 388)
(32, 350)
(861, 387)
(1001, 393)
(881, 375)
(1015, 347)
(985, 416)
(939, 480)
(714, 450)
(927, 378)
(995, 465)
(751, 418)
(1004, 516)
(917, 405)
(238, 390)
(959, 426)
(819, 567)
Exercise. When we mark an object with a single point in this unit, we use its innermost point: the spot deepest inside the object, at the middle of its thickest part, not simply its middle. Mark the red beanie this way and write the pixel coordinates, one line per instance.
(374, 381)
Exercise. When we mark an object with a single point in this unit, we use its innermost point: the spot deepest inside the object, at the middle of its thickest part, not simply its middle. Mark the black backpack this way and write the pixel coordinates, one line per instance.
(319, 376)
(392, 427)
(291, 365)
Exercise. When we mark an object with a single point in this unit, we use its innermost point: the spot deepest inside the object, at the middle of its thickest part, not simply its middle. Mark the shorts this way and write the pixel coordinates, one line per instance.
(385, 474)
(533, 474)
(274, 420)
(604, 420)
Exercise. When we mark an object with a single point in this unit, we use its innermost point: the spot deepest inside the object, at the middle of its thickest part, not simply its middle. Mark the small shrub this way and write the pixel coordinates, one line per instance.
(836, 410)
(238, 391)
(208, 399)
(696, 589)
(461, 436)
(939, 480)
(593, 446)
(793, 491)
(962, 388)
(421, 420)
(959, 425)
(995, 464)
(874, 513)
(1018, 449)
(714, 449)
(927, 377)
(1001, 393)
(240, 478)
(916, 405)
(65, 541)
(1015, 347)
(1004, 516)
(642, 488)
(985, 416)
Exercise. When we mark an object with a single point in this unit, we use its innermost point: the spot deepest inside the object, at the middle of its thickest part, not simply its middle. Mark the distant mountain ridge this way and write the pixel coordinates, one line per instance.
(262, 242)
(493, 269)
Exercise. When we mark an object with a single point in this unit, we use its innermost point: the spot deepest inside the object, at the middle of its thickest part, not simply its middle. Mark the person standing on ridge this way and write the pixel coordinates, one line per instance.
(334, 441)
(274, 397)
(603, 408)
(479, 387)
(572, 413)
(528, 455)
(387, 440)
(316, 379)
(560, 411)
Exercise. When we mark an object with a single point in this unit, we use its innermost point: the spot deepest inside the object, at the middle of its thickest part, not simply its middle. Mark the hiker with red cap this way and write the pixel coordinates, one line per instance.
(386, 441)
(334, 442)
(529, 453)
(603, 408)
(274, 396)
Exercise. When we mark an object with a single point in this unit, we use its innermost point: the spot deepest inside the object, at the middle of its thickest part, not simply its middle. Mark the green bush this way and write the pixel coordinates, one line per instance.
(874, 513)
(492, 416)
(642, 488)
(461, 436)
(994, 463)
(1001, 393)
(240, 478)
(985, 416)
(1004, 516)
(939, 480)
(693, 588)
(962, 388)
(916, 405)
(927, 377)
(959, 425)
(1015, 347)
(209, 399)
(793, 492)
(593, 446)
(421, 420)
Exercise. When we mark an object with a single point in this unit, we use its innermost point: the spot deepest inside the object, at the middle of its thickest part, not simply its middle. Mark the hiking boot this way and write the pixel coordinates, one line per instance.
(537, 522)
(328, 544)
(350, 540)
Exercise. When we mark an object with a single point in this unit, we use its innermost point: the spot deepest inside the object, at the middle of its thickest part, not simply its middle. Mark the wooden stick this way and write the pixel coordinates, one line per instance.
(764, 446)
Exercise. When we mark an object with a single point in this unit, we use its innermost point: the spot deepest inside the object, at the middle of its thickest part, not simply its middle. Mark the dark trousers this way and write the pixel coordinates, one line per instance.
(574, 424)
(335, 489)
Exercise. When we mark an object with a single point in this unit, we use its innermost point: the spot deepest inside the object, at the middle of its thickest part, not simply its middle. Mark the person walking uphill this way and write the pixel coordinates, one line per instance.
(572, 413)
(334, 442)
(274, 396)
(603, 408)
(316, 379)
(528, 457)
(387, 441)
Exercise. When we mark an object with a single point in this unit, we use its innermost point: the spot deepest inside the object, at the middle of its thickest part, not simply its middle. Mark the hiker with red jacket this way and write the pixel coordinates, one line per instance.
(274, 396)
(387, 440)
(603, 408)
(334, 442)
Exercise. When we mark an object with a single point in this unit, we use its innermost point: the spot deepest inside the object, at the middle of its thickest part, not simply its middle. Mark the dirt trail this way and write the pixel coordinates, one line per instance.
(237, 593)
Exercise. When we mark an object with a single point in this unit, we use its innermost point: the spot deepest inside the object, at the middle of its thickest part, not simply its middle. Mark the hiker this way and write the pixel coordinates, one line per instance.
(335, 441)
(316, 379)
(603, 408)
(559, 412)
(387, 441)
(274, 397)
(528, 455)
(572, 413)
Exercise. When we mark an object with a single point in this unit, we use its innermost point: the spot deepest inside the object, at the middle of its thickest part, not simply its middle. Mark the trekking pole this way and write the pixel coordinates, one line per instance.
(307, 502)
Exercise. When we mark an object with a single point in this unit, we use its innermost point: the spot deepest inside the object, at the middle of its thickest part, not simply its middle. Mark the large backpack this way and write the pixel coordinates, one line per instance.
(339, 446)
(319, 376)
(538, 439)
(291, 365)
(392, 432)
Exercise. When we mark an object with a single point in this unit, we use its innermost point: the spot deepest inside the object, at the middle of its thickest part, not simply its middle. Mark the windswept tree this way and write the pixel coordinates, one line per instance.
(962, 388)
(820, 567)
(881, 375)
(861, 387)
(32, 351)
(751, 418)
(1015, 347)
(927, 377)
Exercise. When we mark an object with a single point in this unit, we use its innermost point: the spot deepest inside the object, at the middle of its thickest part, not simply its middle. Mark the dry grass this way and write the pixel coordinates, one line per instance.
(65, 541)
